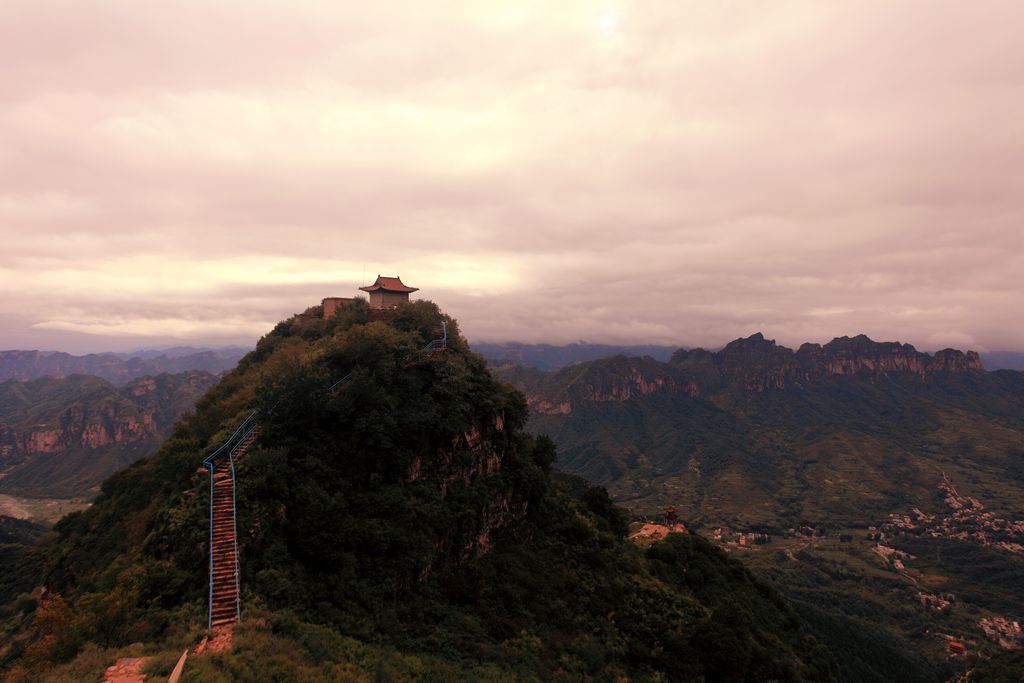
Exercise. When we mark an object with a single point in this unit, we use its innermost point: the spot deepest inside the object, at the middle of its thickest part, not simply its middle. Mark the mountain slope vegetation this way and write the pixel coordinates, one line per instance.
(402, 525)
(888, 482)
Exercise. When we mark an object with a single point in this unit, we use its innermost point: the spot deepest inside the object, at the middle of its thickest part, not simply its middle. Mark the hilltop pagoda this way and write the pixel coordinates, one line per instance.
(388, 292)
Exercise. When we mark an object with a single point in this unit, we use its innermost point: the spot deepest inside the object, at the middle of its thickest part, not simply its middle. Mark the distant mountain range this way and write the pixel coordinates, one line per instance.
(553, 357)
(116, 368)
(635, 423)
(123, 367)
(61, 437)
(183, 351)
(886, 477)
(1003, 360)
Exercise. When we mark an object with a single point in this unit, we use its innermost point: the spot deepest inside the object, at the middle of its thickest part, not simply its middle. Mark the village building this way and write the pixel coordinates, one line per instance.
(387, 292)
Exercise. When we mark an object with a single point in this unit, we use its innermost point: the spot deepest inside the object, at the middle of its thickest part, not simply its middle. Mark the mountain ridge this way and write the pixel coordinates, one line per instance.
(549, 357)
(25, 365)
(752, 363)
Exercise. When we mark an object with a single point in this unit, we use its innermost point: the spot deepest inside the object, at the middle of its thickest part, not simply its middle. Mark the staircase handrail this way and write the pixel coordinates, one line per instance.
(230, 447)
(441, 342)
(341, 381)
(232, 441)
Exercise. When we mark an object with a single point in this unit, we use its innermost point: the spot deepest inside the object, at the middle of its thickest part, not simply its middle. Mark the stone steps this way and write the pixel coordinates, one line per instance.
(223, 577)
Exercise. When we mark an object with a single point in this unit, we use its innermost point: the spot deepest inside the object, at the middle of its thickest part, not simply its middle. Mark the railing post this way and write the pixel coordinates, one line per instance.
(234, 525)
(209, 601)
(230, 447)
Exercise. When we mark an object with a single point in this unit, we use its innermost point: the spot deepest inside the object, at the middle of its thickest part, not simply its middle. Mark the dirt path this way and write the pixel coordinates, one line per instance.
(945, 478)
(126, 670)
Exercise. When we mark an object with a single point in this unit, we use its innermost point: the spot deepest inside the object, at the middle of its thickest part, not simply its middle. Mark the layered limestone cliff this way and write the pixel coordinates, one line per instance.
(752, 364)
(101, 417)
(759, 364)
(625, 379)
(77, 418)
(860, 355)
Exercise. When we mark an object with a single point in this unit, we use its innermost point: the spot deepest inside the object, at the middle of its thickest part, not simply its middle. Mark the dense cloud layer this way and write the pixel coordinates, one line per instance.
(661, 172)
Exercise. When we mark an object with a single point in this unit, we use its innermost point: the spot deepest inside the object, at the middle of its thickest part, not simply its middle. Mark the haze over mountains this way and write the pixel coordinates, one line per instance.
(553, 357)
(85, 465)
(117, 368)
(122, 368)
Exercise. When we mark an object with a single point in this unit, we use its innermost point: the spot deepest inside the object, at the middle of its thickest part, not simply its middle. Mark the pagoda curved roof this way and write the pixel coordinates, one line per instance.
(389, 284)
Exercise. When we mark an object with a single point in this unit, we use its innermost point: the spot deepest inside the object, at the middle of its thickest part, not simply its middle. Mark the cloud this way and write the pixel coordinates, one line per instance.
(671, 172)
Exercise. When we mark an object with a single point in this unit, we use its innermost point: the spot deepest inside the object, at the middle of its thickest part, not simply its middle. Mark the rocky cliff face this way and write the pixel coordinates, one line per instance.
(759, 364)
(74, 417)
(474, 457)
(615, 379)
(753, 364)
(101, 417)
(860, 355)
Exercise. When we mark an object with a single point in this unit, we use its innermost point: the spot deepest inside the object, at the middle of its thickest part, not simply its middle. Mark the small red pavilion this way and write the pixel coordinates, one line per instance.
(388, 292)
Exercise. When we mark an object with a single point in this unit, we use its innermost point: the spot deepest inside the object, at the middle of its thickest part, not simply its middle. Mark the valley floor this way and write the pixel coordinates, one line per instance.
(45, 511)
(918, 590)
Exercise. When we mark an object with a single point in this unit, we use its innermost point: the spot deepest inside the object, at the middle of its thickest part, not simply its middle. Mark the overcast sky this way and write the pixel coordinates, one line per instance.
(651, 171)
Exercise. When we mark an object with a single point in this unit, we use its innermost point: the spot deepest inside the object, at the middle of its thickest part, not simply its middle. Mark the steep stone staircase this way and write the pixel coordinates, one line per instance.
(224, 588)
(225, 597)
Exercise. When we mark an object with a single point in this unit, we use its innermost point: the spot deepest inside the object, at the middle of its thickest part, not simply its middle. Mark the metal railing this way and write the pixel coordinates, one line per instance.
(441, 342)
(340, 382)
(234, 522)
(228, 449)
(232, 441)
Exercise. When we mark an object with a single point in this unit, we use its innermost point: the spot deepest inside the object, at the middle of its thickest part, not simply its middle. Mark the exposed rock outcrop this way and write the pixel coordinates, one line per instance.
(72, 420)
(759, 364)
(475, 456)
(753, 364)
(614, 379)
(133, 413)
